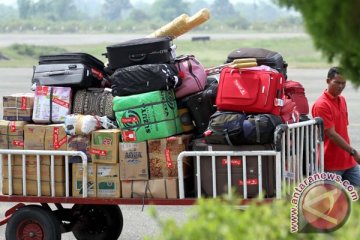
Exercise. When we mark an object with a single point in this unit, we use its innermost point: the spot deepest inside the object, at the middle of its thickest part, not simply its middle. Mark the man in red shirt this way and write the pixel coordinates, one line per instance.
(340, 157)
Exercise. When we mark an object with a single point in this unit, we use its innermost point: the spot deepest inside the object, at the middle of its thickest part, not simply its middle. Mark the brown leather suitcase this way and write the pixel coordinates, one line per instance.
(252, 179)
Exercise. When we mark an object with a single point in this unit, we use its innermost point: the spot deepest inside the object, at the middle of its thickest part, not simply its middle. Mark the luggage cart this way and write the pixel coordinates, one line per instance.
(298, 153)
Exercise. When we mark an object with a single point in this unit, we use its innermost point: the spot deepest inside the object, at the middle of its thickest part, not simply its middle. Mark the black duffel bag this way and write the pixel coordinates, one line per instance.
(144, 78)
(225, 128)
(263, 57)
(235, 128)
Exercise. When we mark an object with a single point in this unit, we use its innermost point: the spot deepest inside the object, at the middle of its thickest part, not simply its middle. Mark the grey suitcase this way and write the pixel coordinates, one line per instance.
(75, 75)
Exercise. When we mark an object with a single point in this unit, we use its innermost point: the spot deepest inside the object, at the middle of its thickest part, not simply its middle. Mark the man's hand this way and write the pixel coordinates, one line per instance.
(357, 157)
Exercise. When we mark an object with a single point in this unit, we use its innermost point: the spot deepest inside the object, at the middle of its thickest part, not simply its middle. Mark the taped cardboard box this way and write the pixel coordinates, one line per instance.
(163, 155)
(12, 134)
(105, 146)
(133, 161)
(153, 188)
(31, 172)
(34, 136)
(4, 135)
(79, 143)
(55, 137)
(108, 180)
(51, 104)
(77, 180)
(34, 139)
(31, 188)
(18, 107)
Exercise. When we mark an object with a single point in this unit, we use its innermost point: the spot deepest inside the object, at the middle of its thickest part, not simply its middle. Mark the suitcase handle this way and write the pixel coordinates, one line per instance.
(137, 57)
(54, 73)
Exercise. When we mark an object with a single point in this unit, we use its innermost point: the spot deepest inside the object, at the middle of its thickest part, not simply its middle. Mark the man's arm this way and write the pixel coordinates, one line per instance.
(339, 141)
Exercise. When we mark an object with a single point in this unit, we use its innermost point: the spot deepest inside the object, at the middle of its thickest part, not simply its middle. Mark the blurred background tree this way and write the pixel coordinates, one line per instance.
(167, 10)
(334, 27)
(142, 16)
(116, 9)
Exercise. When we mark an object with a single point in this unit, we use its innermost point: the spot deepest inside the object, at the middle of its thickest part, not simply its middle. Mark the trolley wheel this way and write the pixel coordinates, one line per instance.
(98, 222)
(33, 222)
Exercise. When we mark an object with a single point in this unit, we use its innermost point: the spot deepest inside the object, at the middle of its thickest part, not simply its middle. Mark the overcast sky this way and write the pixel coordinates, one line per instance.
(10, 2)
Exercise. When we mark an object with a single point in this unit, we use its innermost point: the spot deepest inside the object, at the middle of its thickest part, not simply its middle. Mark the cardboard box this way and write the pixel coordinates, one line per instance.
(108, 180)
(133, 159)
(31, 172)
(34, 136)
(12, 134)
(29, 160)
(4, 135)
(51, 104)
(105, 146)
(31, 188)
(55, 137)
(77, 180)
(79, 143)
(163, 155)
(18, 107)
(153, 188)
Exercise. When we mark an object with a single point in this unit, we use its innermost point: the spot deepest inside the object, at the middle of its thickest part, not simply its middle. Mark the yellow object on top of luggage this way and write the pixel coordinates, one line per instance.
(182, 24)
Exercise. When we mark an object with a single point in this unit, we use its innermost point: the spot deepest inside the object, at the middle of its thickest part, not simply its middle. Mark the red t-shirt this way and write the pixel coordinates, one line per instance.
(333, 111)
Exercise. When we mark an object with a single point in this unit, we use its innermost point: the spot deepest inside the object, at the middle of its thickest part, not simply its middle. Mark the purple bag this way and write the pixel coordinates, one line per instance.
(192, 73)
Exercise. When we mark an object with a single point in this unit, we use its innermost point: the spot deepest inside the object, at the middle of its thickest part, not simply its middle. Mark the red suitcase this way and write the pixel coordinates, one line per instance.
(250, 91)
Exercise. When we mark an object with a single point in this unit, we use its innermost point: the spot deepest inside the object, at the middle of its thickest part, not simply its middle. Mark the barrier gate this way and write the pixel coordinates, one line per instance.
(298, 153)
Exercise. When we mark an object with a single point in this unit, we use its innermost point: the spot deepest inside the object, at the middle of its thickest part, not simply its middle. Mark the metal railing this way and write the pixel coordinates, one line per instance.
(302, 150)
(24, 153)
(298, 153)
(244, 154)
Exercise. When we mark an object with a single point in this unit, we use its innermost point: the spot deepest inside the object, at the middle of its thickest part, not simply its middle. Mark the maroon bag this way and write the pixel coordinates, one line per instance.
(250, 91)
(289, 113)
(296, 92)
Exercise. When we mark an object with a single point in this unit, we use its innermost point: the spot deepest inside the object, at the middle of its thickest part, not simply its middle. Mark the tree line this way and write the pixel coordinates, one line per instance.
(122, 15)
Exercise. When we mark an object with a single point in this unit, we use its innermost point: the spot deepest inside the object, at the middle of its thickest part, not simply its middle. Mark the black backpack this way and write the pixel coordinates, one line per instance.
(235, 128)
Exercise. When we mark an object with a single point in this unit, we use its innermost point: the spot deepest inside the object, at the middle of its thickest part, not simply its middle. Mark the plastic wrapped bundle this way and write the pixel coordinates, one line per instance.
(77, 124)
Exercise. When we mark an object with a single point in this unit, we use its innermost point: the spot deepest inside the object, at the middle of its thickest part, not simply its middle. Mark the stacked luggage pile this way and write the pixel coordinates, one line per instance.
(134, 116)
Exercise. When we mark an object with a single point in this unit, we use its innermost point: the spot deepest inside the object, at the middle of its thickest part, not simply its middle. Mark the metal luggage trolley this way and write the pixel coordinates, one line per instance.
(298, 153)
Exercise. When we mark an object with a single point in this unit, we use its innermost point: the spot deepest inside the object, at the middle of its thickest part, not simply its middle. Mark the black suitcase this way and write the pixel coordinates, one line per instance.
(140, 51)
(144, 78)
(78, 70)
(83, 58)
(201, 106)
(252, 178)
(263, 57)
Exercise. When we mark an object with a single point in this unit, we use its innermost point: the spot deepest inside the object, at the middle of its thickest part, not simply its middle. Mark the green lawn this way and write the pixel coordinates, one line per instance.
(298, 52)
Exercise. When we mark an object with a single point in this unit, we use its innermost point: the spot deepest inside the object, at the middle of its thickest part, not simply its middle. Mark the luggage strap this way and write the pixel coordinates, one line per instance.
(257, 125)
(228, 138)
(257, 128)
